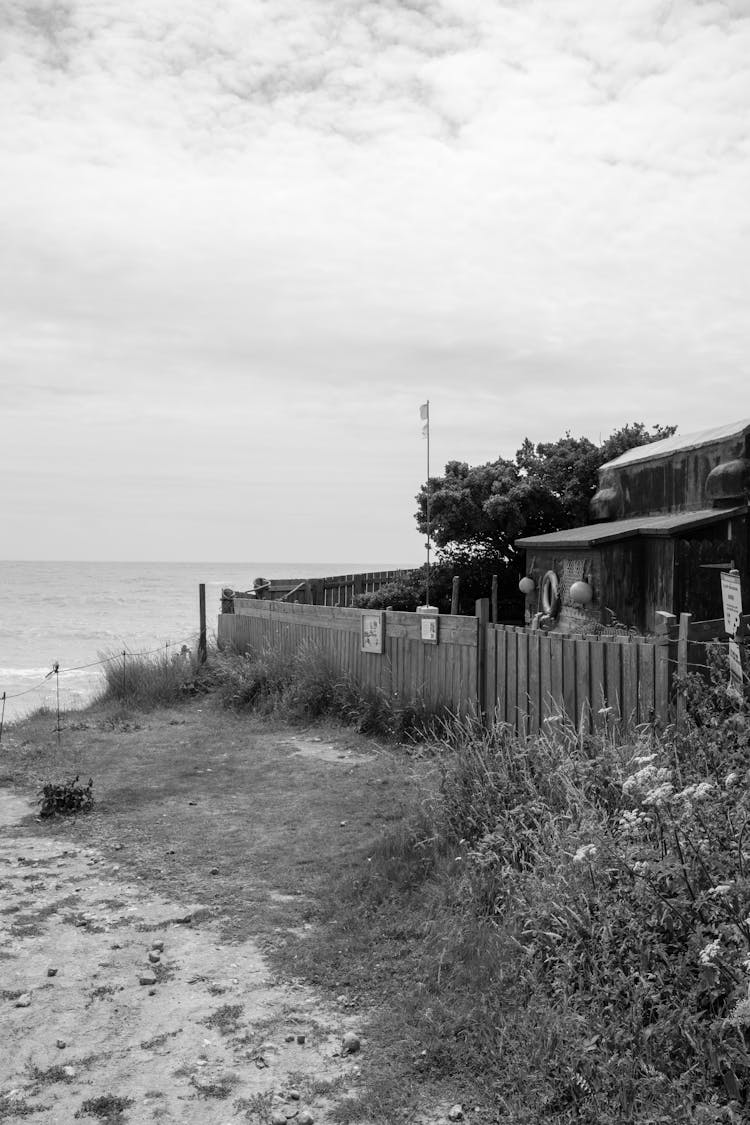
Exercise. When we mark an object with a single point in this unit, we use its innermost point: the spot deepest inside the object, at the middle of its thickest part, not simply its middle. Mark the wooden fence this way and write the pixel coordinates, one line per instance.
(441, 675)
(525, 678)
(532, 677)
(338, 590)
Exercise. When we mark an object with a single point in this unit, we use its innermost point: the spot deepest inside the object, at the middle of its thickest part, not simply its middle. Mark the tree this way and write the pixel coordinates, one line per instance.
(481, 510)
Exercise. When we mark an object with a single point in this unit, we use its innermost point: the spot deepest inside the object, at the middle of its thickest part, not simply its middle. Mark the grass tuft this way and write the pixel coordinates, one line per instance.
(145, 682)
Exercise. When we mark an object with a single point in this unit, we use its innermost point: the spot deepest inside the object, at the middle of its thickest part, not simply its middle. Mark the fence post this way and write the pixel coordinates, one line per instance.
(494, 599)
(483, 616)
(202, 623)
(682, 660)
(454, 594)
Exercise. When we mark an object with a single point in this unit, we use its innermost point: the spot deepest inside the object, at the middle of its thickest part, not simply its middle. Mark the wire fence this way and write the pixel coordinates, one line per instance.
(57, 670)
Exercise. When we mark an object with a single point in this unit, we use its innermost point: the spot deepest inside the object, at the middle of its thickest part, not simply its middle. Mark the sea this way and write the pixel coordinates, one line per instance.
(74, 615)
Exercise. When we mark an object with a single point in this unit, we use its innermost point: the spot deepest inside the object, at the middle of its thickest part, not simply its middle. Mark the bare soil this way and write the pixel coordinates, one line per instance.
(206, 846)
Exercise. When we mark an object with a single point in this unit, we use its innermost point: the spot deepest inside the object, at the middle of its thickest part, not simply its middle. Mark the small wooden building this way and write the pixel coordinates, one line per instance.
(669, 517)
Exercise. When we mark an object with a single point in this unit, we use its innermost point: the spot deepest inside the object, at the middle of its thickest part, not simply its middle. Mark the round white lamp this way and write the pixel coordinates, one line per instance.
(526, 585)
(581, 593)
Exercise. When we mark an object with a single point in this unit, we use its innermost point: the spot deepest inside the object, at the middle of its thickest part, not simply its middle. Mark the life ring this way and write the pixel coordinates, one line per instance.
(551, 594)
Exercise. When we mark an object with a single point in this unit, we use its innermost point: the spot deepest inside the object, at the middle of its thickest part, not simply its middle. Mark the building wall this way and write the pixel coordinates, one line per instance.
(572, 618)
(676, 483)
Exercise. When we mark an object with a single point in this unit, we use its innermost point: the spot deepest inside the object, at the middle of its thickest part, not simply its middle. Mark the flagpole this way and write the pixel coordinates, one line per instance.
(427, 590)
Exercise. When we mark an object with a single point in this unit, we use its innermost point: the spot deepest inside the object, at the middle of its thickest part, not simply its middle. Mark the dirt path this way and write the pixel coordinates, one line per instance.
(120, 1005)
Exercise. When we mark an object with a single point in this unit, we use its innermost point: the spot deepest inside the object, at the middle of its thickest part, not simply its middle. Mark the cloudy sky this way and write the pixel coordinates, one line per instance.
(242, 241)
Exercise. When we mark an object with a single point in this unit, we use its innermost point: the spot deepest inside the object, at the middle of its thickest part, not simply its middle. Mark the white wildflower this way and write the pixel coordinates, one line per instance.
(632, 822)
(709, 952)
(731, 779)
(721, 889)
(659, 795)
(639, 867)
(740, 1014)
(644, 759)
(584, 853)
(703, 789)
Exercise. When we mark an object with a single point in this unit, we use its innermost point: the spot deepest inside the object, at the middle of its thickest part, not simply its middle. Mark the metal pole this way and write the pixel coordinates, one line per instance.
(428, 505)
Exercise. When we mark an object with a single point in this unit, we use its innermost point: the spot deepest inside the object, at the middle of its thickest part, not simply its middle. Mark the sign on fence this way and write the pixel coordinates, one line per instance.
(731, 596)
(735, 667)
(372, 629)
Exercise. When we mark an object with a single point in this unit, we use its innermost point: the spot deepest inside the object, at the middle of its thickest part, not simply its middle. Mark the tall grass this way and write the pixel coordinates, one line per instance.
(145, 682)
(308, 686)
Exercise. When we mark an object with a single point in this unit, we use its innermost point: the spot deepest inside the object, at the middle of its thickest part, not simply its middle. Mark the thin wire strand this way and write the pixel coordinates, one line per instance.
(56, 670)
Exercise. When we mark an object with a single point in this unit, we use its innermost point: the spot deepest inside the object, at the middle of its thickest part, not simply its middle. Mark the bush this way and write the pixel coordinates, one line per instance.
(66, 798)
(401, 594)
(585, 948)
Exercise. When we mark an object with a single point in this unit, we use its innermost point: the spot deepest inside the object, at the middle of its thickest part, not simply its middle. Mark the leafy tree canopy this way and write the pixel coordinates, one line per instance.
(483, 509)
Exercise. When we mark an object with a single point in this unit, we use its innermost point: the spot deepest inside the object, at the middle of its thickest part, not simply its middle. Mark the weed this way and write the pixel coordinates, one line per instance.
(220, 1088)
(11, 1107)
(225, 1019)
(257, 1108)
(66, 798)
(107, 1107)
(159, 1040)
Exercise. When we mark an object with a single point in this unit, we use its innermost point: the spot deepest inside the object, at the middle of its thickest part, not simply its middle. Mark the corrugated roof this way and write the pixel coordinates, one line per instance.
(663, 526)
(679, 442)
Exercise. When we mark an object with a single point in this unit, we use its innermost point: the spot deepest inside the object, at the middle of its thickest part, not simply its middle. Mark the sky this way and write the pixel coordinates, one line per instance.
(242, 242)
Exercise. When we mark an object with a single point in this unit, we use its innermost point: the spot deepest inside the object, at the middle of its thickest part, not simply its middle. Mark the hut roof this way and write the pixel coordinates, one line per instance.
(662, 526)
(679, 443)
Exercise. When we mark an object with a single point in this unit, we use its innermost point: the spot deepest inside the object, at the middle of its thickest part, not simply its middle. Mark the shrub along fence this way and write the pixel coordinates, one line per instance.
(522, 677)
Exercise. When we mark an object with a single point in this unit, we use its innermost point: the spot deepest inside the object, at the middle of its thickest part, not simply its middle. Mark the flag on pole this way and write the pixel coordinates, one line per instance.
(424, 414)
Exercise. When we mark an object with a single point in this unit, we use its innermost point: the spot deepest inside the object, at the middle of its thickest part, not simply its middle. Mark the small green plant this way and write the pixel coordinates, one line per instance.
(225, 1019)
(107, 1107)
(66, 798)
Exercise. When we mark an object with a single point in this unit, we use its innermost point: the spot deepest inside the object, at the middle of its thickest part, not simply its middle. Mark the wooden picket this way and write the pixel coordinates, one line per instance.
(534, 678)
(517, 676)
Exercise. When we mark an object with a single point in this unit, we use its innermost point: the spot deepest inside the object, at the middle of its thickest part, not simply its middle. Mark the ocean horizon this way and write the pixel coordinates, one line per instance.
(76, 613)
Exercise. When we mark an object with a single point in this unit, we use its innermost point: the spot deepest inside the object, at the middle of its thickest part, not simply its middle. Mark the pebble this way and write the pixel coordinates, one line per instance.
(23, 1001)
(350, 1044)
(278, 1117)
(51, 972)
(293, 1095)
(214, 871)
(147, 978)
(154, 956)
(69, 1071)
(289, 1038)
(300, 1039)
(158, 945)
(455, 1113)
(305, 1118)
(61, 1044)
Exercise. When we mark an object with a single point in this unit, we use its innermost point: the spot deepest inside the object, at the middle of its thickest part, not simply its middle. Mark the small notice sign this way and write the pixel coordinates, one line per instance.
(429, 630)
(735, 667)
(731, 596)
(373, 630)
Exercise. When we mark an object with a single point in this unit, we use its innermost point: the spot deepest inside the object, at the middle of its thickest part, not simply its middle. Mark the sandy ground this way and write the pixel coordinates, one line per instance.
(214, 1039)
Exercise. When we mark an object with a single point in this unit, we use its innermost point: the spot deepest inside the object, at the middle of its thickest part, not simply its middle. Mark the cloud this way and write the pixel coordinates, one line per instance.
(294, 217)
